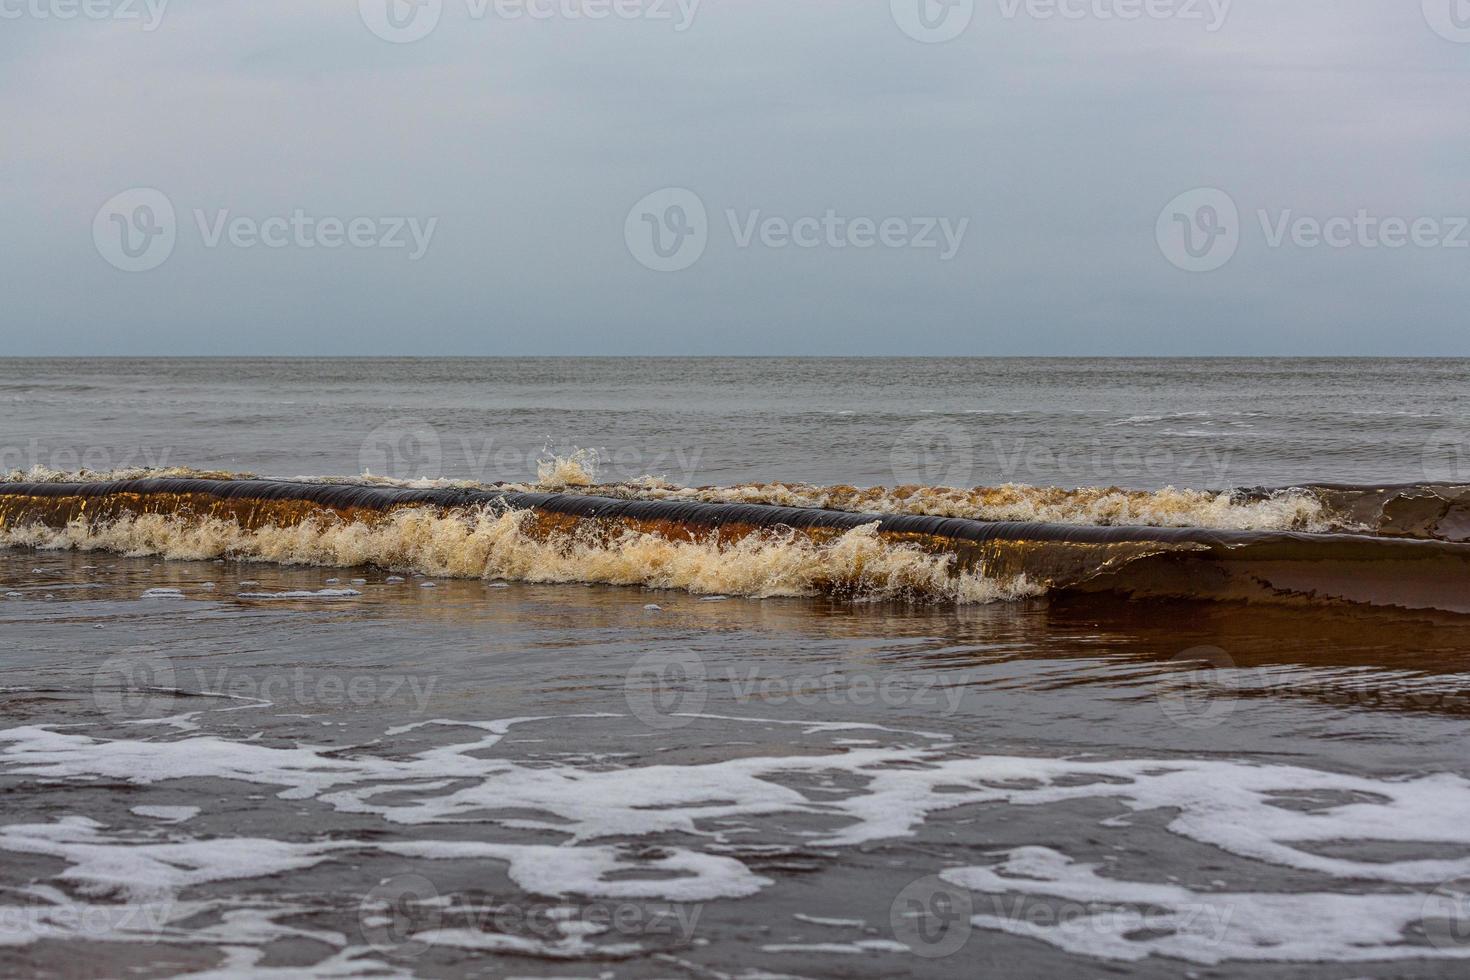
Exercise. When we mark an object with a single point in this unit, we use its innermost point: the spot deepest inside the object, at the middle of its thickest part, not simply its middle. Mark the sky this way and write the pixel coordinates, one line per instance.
(751, 177)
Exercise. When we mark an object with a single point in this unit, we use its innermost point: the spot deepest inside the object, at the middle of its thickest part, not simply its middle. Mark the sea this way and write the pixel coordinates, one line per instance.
(734, 668)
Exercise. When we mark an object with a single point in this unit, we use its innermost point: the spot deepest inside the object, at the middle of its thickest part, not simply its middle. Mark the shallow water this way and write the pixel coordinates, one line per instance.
(238, 766)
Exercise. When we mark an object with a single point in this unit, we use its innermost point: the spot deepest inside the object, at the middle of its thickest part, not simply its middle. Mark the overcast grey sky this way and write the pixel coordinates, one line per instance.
(995, 177)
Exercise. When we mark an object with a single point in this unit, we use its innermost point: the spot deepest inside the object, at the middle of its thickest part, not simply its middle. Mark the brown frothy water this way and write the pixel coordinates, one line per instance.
(752, 549)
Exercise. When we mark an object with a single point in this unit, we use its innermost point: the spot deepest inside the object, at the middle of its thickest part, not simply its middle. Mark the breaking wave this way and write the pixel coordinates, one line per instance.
(577, 472)
(913, 544)
(1105, 507)
(483, 544)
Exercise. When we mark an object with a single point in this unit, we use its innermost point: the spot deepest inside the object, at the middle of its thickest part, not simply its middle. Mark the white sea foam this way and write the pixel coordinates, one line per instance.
(817, 920)
(244, 961)
(45, 474)
(856, 946)
(1297, 510)
(1130, 920)
(101, 863)
(569, 948)
(897, 783)
(173, 814)
(319, 594)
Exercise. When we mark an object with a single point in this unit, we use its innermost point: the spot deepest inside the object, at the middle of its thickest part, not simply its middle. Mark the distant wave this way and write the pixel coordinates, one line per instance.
(730, 544)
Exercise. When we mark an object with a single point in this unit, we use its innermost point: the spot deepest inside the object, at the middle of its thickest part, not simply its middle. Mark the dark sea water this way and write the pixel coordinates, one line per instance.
(1206, 423)
(217, 767)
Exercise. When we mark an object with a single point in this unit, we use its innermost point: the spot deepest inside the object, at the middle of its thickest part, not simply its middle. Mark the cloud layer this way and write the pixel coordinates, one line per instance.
(823, 141)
